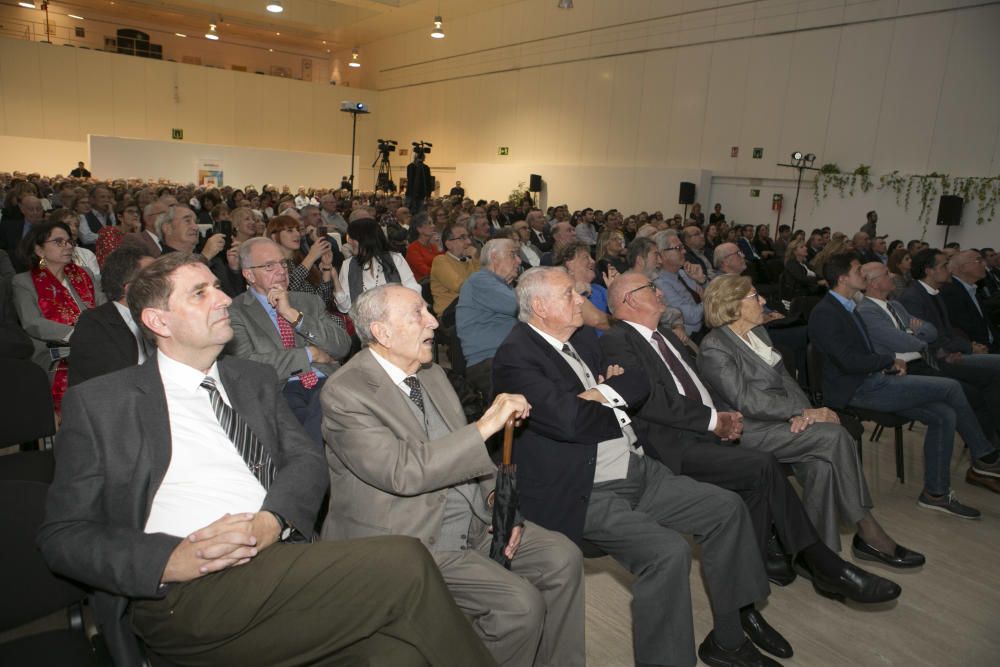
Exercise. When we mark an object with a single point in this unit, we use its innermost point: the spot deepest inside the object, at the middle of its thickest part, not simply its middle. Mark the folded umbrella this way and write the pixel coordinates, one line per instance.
(506, 509)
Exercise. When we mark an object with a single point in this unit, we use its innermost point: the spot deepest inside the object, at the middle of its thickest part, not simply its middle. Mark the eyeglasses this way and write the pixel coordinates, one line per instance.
(271, 267)
(678, 248)
(732, 254)
(62, 243)
(649, 285)
(752, 295)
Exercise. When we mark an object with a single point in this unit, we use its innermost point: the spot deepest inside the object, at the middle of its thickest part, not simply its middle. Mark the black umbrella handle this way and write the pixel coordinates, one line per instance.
(508, 440)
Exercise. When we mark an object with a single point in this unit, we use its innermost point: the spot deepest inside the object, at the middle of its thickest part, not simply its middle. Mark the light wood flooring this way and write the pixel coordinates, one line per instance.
(947, 616)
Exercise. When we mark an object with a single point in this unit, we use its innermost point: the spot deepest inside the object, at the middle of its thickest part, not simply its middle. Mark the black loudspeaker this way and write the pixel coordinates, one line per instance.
(950, 210)
(536, 183)
(686, 195)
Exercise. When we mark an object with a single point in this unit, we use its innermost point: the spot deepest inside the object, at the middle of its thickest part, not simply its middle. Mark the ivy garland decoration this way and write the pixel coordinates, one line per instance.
(927, 187)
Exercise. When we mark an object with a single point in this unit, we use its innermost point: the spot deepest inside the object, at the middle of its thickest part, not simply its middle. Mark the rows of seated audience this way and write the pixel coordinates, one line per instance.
(311, 473)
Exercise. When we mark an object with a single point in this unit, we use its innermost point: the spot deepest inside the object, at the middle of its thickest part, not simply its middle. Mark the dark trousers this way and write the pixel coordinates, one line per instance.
(480, 376)
(306, 407)
(640, 521)
(760, 481)
(377, 601)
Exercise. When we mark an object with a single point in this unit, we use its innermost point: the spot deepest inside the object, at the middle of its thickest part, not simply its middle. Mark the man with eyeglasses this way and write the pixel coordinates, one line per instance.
(694, 250)
(289, 331)
(450, 270)
(681, 282)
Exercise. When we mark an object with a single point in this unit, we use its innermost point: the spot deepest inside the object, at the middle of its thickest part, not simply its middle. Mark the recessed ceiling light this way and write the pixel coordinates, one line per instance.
(278, 34)
(275, 7)
(270, 50)
(354, 58)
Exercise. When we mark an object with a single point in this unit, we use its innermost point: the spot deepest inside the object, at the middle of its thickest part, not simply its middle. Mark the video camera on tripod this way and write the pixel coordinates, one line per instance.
(386, 146)
(383, 179)
(421, 148)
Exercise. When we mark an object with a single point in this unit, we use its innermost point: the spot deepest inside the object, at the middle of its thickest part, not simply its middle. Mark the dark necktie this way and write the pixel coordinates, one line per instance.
(416, 391)
(895, 316)
(692, 291)
(246, 443)
(688, 387)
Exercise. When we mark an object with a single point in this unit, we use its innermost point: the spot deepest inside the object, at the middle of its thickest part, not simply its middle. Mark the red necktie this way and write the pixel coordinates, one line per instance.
(309, 379)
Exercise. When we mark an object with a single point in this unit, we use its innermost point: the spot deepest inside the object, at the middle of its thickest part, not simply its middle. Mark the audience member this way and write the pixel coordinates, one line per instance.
(529, 253)
(371, 264)
(107, 338)
(871, 224)
(965, 307)
(575, 258)
(425, 247)
(899, 268)
(486, 310)
(287, 330)
(855, 374)
(579, 445)
(798, 278)
(312, 272)
(681, 282)
(695, 251)
(562, 234)
(450, 270)
(540, 236)
(109, 238)
(404, 462)
(215, 520)
(101, 214)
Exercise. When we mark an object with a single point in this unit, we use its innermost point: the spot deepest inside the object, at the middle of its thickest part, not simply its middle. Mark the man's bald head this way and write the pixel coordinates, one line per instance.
(31, 209)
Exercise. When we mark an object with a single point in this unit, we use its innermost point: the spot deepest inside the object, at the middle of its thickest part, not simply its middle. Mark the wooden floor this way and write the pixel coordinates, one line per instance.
(947, 616)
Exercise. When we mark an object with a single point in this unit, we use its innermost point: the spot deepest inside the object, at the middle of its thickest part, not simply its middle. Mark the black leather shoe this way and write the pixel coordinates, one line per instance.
(900, 558)
(763, 635)
(778, 565)
(745, 656)
(852, 583)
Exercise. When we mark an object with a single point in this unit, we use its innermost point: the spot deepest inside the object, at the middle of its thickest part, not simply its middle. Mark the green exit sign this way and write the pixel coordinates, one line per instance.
(503, 150)
(754, 192)
(177, 133)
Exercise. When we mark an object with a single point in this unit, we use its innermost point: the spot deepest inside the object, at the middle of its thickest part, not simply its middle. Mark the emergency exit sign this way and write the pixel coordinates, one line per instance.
(503, 150)
(177, 133)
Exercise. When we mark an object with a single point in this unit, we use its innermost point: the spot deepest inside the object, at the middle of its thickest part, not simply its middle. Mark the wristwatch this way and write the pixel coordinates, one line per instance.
(298, 320)
(285, 529)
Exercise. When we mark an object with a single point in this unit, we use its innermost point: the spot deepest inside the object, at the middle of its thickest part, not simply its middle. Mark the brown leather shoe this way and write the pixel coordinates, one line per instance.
(985, 481)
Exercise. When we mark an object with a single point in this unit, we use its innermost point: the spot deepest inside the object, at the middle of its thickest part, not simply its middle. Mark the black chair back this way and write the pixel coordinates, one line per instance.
(26, 396)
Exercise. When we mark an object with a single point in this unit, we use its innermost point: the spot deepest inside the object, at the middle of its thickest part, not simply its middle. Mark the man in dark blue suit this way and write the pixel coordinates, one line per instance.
(855, 374)
(581, 471)
(966, 308)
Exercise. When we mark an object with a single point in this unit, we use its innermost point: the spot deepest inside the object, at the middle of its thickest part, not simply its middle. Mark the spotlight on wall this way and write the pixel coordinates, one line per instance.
(565, 4)
(797, 156)
(212, 33)
(354, 58)
(275, 7)
(438, 32)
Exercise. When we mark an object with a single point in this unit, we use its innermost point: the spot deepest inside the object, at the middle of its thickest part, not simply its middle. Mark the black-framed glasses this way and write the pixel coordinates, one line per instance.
(271, 267)
(650, 285)
(62, 243)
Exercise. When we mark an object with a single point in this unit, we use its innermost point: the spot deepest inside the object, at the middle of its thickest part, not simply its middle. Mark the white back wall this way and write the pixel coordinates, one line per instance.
(907, 85)
(115, 157)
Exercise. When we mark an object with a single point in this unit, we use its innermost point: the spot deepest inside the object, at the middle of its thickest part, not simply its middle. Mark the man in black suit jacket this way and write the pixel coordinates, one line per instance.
(106, 338)
(686, 433)
(186, 492)
(965, 308)
(539, 237)
(581, 471)
(855, 374)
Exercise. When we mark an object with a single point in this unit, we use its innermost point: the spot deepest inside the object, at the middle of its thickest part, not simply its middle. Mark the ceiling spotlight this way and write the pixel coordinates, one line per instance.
(354, 58)
(275, 7)
(565, 4)
(212, 33)
(74, 16)
(796, 156)
(438, 32)
(27, 5)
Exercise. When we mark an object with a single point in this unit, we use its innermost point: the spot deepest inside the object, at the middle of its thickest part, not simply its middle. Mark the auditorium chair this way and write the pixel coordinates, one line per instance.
(26, 396)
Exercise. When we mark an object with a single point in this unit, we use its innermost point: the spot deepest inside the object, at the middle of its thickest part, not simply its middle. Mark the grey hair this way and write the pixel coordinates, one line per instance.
(167, 217)
(246, 248)
(533, 284)
(370, 307)
(308, 207)
(492, 248)
(661, 238)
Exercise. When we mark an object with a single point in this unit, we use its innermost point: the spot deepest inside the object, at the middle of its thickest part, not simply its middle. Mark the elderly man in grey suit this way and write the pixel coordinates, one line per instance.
(403, 461)
(287, 330)
(185, 495)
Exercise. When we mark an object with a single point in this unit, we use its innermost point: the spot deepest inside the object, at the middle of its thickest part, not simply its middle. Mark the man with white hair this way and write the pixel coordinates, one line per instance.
(681, 282)
(289, 331)
(582, 471)
(403, 461)
(487, 310)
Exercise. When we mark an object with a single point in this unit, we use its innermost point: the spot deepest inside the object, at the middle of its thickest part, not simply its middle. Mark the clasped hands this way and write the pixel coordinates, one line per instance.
(232, 540)
(812, 416)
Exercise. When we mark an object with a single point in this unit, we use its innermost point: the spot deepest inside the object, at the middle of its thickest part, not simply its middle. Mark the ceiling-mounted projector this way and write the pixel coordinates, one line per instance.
(354, 107)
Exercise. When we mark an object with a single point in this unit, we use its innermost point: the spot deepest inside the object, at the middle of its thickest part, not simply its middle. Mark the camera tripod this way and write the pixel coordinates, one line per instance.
(383, 179)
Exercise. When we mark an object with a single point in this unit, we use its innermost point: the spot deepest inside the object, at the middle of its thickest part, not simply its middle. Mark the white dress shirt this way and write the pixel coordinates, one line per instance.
(206, 477)
(706, 398)
(373, 278)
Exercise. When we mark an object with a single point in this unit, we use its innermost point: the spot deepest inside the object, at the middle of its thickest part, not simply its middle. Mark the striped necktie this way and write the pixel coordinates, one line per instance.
(246, 443)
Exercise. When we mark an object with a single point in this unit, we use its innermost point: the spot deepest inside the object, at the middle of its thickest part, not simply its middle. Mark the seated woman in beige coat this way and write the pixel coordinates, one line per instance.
(739, 362)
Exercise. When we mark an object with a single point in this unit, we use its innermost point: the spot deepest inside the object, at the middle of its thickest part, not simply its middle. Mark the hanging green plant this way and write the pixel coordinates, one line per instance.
(927, 187)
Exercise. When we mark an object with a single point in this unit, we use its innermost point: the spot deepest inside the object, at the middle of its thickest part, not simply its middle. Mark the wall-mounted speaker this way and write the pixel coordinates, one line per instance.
(535, 184)
(950, 210)
(686, 195)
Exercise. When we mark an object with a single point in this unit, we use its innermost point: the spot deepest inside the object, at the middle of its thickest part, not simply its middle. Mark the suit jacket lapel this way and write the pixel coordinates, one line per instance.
(560, 361)
(442, 395)
(154, 425)
(260, 318)
(388, 394)
(740, 348)
(247, 401)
